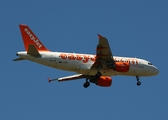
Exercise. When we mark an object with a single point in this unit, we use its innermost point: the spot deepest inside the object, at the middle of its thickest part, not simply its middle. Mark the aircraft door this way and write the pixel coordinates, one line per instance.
(53, 59)
(141, 65)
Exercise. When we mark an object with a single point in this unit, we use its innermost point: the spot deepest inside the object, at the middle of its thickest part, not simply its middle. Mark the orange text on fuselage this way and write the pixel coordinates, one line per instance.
(86, 58)
(80, 57)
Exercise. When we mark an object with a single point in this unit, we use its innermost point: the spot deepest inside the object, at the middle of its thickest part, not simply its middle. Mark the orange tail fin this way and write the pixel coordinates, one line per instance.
(29, 38)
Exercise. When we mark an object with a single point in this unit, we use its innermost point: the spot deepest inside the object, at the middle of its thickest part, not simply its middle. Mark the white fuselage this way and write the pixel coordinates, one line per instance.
(81, 63)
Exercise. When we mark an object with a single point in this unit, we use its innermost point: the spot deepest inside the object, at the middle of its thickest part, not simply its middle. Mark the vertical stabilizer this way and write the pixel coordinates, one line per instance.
(29, 38)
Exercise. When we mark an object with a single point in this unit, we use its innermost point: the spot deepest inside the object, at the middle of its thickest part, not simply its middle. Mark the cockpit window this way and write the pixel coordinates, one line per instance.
(149, 63)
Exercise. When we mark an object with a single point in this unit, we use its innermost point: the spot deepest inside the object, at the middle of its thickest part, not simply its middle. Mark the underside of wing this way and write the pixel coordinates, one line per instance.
(104, 55)
(103, 81)
(68, 78)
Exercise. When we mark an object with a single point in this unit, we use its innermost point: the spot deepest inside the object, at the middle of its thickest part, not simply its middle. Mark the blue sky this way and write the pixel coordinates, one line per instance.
(134, 28)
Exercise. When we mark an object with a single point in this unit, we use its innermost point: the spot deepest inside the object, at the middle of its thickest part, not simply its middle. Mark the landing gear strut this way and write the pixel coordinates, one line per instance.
(98, 74)
(86, 84)
(138, 81)
(93, 80)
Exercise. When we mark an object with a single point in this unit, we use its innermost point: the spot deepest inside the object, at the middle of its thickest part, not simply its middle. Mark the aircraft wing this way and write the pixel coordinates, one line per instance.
(104, 56)
(67, 78)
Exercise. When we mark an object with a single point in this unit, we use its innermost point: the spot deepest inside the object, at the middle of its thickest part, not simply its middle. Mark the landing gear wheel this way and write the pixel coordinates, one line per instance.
(86, 84)
(138, 83)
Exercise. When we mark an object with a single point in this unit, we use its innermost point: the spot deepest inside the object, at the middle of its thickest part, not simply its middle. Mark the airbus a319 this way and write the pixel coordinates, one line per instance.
(95, 69)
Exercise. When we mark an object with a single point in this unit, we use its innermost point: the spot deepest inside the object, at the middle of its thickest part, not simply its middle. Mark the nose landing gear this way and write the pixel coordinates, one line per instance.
(138, 81)
(86, 84)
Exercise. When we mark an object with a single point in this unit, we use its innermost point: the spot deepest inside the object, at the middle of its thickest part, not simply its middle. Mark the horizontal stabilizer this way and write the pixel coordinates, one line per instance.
(18, 59)
(33, 51)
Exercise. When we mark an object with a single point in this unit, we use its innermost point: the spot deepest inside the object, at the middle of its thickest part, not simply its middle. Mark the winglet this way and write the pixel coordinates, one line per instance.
(30, 38)
(99, 36)
(49, 80)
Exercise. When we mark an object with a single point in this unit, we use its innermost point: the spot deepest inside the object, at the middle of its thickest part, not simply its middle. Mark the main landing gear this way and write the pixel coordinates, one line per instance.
(138, 81)
(87, 83)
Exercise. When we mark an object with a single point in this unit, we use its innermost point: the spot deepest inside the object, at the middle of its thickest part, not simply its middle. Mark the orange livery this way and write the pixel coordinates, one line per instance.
(95, 69)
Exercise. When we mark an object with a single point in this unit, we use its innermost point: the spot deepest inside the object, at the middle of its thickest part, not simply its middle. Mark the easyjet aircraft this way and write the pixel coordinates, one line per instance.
(94, 68)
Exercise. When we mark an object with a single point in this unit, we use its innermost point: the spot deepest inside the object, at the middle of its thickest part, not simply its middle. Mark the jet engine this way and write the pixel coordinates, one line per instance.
(103, 81)
(122, 66)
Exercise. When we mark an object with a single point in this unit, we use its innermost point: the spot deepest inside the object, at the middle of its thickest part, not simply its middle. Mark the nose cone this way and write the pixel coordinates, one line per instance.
(155, 70)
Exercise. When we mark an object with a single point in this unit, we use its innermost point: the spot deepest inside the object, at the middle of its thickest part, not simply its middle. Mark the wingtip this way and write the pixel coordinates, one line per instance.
(99, 36)
(49, 80)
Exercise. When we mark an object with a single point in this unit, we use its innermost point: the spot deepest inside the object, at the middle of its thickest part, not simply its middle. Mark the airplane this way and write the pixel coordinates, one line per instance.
(95, 69)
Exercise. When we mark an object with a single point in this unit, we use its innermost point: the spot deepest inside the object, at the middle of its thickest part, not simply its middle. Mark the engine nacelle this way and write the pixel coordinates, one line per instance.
(103, 81)
(122, 66)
